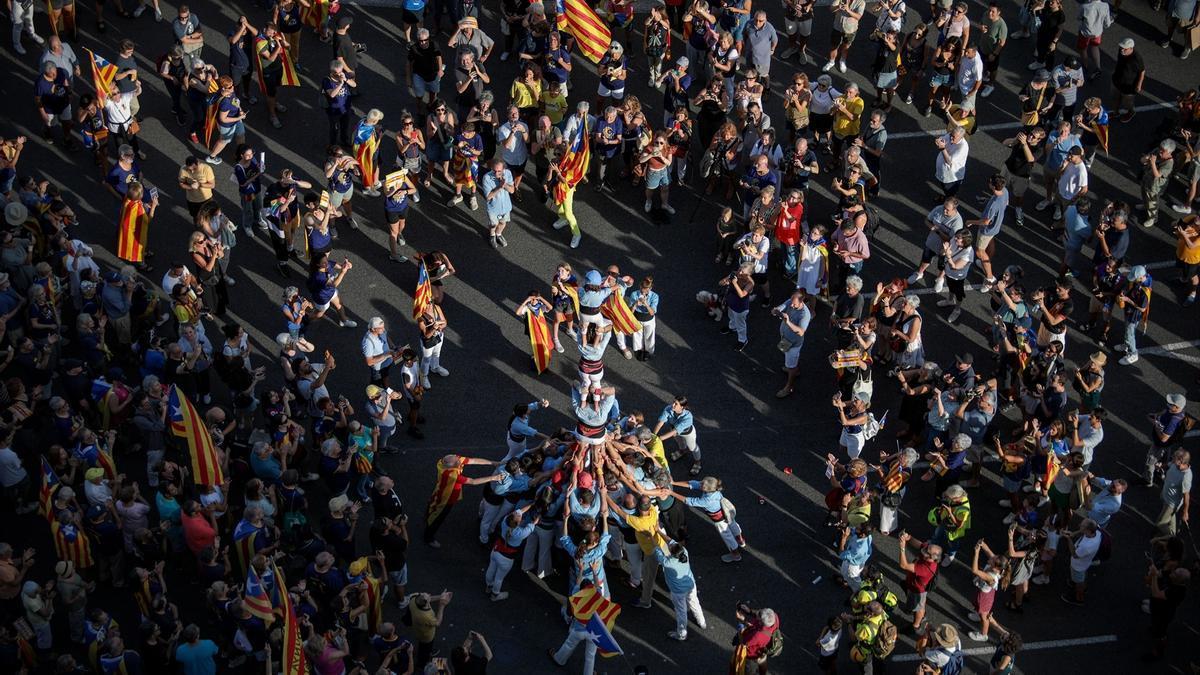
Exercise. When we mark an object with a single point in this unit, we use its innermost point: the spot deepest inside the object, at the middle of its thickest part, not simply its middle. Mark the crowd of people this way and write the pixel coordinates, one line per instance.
(299, 537)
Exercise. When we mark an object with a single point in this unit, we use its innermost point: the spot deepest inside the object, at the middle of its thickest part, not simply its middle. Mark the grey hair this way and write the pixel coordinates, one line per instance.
(260, 446)
(962, 441)
(375, 322)
(955, 492)
(909, 457)
(582, 106)
(251, 511)
(854, 281)
(1167, 144)
(767, 617)
(149, 381)
(487, 96)
(913, 300)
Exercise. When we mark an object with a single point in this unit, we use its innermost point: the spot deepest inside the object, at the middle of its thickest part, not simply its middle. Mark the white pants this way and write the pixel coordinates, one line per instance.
(574, 636)
(431, 357)
(22, 21)
(851, 573)
(590, 380)
(622, 338)
(490, 517)
(852, 442)
(682, 603)
(688, 442)
(644, 339)
(498, 568)
(537, 551)
(737, 324)
(587, 319)
(888, 519)
(633, 553)
(729, 531)
(514, 448)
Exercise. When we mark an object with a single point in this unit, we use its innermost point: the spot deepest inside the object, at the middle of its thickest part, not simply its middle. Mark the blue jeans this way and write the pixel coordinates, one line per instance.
(1131, 325)
(790, 253)
(250, 209)
(941, 539)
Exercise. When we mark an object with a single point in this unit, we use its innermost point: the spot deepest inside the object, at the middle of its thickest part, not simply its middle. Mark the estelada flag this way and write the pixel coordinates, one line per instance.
(591, 33)
(617, 311)
(186, 422)
(294, 660)
(423, 294)
(574, 293)
(589, 604)
(315, 14)
(103, 75)
(245, 542)
(540, 340)
(263, 46)
(213, 103)
(255, 597)
(573, 164)
(46, 494)
(366, 145)
(133, 231)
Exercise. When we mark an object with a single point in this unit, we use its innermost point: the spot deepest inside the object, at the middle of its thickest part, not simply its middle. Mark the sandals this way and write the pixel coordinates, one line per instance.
(695, 470)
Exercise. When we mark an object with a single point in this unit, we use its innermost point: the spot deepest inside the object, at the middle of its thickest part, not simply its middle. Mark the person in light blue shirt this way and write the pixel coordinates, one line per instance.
(593, 410)
(1106, 499)
(592, 294)
(644, 303)
(588, 554)
(515, 529)
(794, 317)
(855, 551)
(990, 220)
(713, 503)
(519, 430)
(678, 417)
(508, 478)
(1058, 144)
(498, 187)
(677, 570)
(1078, 232)
(195, 656)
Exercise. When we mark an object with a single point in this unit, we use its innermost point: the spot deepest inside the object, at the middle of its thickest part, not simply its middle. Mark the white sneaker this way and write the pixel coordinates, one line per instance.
(1149, 222)
(560, 224)
(1057, 213)
(1041, 580)
(841, 66)
(948, 302)
(954, 315)
(1006, 503)
(456, 199)
(1181, 208)
(669, 209)
(914, 278)
(1043, 205)
(348, 323)
(158, 16)
(677, 636)
(647, 206)
(440, 371)
(558, 347)
(1121, 348)
(497, 597)
(425, 382)
(987, 90)
(1008, 520)
(139, 11)
(1027, 488)
(1036, 65)
(977, 636)
(575, 241)
(939, 284)
(214, 160)
(828, 66)
(1128, 359)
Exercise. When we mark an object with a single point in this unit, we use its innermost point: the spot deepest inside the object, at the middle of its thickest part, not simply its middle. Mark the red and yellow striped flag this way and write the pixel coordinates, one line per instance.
(133, 232)
(294, 661)
(211, 111)
(590, 31)
(423, 294)
(103, 75)
(617, 311)
(444, 495)
(373, 589)
(366, 145)
(574, 293)
(255, 597)
(573, 166)
(262, 47)
(540, 340)
(46, 494)
(71, 543)
(186, 422)
(315, 14)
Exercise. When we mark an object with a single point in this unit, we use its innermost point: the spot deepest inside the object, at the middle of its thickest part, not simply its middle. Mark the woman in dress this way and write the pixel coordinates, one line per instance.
(906, 333)
(486, 120)
(324, 277)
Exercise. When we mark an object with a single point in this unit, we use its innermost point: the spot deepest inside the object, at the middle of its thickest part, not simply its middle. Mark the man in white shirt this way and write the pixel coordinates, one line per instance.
(1088, 432)
(951, 165)
(1083, 545)
(943, 222)
(1072, 181)
(13, 478)
(378, 352)
(969, 77)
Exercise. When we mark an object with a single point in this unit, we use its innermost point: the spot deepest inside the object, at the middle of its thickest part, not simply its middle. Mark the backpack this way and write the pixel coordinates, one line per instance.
(955, 665)
(775, 646)
(872, 221)
(872, 428)
(885, 639)
(1106, 546)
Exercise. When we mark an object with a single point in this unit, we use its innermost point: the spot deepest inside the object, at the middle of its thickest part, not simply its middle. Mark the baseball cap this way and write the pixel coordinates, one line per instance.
(373, 391)
(966, 358)
(1042, 75)
(1176, 400)
(344, 21)
(682, 62)
(1126, 43)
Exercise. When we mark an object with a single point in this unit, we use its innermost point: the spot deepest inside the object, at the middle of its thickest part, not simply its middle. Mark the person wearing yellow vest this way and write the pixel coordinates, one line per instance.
(874, 638)
(951, 520)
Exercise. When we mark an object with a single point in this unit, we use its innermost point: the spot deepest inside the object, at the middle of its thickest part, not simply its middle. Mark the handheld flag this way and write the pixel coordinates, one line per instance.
(573, 165)
(255, 597)
(540, 340)
(606, 645)
(366, 146)
(263, 46)
(212, 105)
(616, 310)
(574, 293)
(1100, 128)
(133, 232)
(245, 542)
(314, 16)
(186, 422)
(46, 494)
(599, 615)
(444, 495)
(423, 295)
(294, 660)
(591, 33)
(103, 75)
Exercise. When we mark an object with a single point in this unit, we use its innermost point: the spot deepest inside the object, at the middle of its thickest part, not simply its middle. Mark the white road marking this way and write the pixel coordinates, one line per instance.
(1029, 646)
(1004, 125)
(1169, 350)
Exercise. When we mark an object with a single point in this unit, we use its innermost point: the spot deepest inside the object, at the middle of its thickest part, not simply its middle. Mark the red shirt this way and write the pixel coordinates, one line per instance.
(787, 227)
(198, 533)
(923, 572)
(756, 637)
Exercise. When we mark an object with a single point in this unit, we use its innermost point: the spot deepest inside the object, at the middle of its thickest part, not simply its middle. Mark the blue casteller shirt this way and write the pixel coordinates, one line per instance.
(680, 579)
(858, 550)
(709, 502)
(680, 422)
(520, 425)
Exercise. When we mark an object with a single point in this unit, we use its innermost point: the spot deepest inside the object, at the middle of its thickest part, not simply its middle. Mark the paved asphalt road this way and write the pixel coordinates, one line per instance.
(768, 452)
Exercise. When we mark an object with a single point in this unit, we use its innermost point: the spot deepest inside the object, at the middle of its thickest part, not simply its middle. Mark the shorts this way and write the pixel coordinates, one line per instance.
(64, 116)
(939, 80)
(399, 578)
(392, 217)
(1011, 485)
(915, 602)
(517, 170)
(1078, 576)
(801, 28)
(840, 39)
(820, 123)
(237, 130)
(886, 80)
(617, 92)
(336, 199)
(1085, 41)
(1187, 270)
(271, 82)
(436, 153)
(968, 101)
(983, 240)
(1060, 499)
(321, 307)
(422, 87)
(410, 18)
(656, 178)
(791, 358)
(927, 256)
(497, 218)
(984, 601)
(1017, 185)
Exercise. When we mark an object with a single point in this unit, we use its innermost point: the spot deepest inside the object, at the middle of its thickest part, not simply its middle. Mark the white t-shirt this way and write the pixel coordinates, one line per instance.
(970, 71)
(956, 167)
(991, 584)
(829, 642)
(11, 471)
(960, 255)
(1085, 550)
(1073, 180)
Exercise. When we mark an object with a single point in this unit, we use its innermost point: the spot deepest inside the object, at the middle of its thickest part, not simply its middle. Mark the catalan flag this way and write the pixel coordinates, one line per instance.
(599, 615)
(105, 461)
(616, 310)
(264, 46)
(366, 151)
(103, 75)
(133, 231)
(1099, 127)
(572, 291)
(49, 487)
(372, 589)
(255, 597)
(447, 492)
(573, 165)
(212, 106)
(540, 340)
(246, 542)
(186, 422)
(1148, 282)
(293, 659)
(315, 14)
(423, 295)
(590, 31)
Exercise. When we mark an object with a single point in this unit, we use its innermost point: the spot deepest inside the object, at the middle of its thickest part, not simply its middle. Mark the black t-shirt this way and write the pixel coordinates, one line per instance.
(387, 505)
(1162, 610)
(394, 547)
(1126, 72)
(1017, 164)
(1036, 99)
(424, 61)
(343, 46)
(846, 307)
(886, 59)
(1051, 24)
(1060, 307)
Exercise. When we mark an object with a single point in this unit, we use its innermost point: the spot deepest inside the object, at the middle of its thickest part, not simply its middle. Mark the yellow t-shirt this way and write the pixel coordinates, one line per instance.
(525, 95)
(645, 528)
(554, 106)
(845, 128)
(424, 623)
(1188, 256)
(203, 174)
(655, 448)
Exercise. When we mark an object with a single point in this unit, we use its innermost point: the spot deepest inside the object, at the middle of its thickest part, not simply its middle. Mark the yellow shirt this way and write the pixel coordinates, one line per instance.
(655, 448)
(645, 528)
(554, 106)
(525, 95)
(1188, 256)
(203, 173)
(845, 128)
(424, 623)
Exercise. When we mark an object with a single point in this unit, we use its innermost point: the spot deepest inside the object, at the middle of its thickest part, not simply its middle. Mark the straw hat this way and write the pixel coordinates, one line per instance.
(1099, 358)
